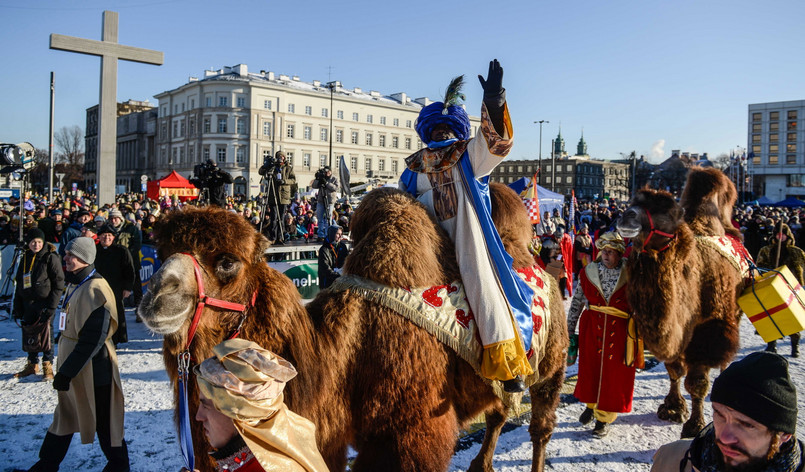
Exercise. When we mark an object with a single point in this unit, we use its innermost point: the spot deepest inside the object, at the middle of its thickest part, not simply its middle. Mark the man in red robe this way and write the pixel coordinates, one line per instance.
(609, 351)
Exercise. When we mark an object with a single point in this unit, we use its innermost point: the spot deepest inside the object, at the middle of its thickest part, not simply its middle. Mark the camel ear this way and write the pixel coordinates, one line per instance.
(262, 246)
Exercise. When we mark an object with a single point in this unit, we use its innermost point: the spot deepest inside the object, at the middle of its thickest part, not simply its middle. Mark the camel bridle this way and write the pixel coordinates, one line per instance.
(653, 231)
(184, 358)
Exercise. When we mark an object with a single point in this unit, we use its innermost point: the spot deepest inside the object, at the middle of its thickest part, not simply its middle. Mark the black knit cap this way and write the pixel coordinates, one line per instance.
(759, 387)
(34, 233)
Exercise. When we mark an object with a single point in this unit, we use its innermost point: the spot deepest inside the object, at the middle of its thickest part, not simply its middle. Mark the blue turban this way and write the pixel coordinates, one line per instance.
(431, 116)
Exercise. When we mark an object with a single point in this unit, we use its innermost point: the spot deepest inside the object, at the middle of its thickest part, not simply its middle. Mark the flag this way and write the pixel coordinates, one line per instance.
(572, 216)
(343, 174)
(531, 201)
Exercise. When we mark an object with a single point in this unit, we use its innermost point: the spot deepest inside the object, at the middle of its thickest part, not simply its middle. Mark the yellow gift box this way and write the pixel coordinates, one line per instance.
(775, 306)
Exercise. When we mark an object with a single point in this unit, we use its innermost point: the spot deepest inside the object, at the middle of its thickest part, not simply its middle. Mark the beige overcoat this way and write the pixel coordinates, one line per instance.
(75, 412)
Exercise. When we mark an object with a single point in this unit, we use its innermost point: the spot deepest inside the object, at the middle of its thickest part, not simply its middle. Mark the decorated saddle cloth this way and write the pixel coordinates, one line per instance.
(732, 249)
(444, 312)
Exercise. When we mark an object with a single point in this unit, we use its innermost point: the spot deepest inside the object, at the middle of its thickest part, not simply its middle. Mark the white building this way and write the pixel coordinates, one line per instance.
(776, 143)
(238, 118)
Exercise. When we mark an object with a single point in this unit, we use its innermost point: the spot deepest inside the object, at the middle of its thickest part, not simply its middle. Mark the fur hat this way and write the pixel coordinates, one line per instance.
(611, 240)
(82, 248)
(760, 387)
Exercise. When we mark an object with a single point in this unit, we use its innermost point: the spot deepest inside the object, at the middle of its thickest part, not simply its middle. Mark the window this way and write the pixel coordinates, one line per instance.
(792, 125)
(773, 159)
(757, 116)
(324, 113)
(207, 125)
(354, 137)
(558, 179)
(240, 154)
(340, 114)
(323, 134)
(774, 148)
(774, 137)
(790, 158)
(353, 164)
(354, 117)
(221, 154)
(191, 153)
(163, 132)
(791, 137)
(192, 126)
(267, 129)
(240, 126)
(291, 108)
(181, 127)
(339, 136)
(222, 125)
(396, 122)
(774, 115)
(570, 179)
(407, 143)
(796, 180)
(306, 160)
(381, 165)
(791, 147)
(206, 153)
(381, 140)
(548, 168)
(289, 156)
(774, 126)
(792, 114)
(309, 110)
(289, 131)
(757, 127)
(322, 160)
(175, 110)
(175, 129)
(367, 164)
(267, 104)
(221, 101)
(368, 118)
(395, 142)
(407, 123)
(308, 132)
(548, 179)
(394, 166)
(241, 102)
(382, 120)
(175, 156)
(368, 139)
(208, 101)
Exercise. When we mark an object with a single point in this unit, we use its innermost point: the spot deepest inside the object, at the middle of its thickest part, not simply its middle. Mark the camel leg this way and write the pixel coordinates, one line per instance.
(495, 419)
(544, 401)
(674, 408)
(696, 383)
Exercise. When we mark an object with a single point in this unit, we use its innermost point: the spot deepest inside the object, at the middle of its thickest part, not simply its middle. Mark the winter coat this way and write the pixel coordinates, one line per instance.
(115, 265)
(41, 299)
(71, 232)
(327, 191)
(130, 237)
(790, 255)
(285, 184)
(604, 378)
(88, 357)
(328, 260)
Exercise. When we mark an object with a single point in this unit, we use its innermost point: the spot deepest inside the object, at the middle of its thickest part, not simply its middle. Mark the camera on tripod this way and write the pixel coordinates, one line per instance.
(270, 165)
(204, 173)
(321, 176)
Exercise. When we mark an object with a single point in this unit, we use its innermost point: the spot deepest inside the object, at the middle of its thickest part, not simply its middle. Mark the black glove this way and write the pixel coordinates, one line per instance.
(493, 85)
(61, 382)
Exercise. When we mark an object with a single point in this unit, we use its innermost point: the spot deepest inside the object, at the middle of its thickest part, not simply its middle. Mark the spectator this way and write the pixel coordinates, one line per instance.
(114, 263)
(328, 257)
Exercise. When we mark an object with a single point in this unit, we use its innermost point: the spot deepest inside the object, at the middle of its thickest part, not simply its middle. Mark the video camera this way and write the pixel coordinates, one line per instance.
(321, 175)
(204, 173)
(269, 163)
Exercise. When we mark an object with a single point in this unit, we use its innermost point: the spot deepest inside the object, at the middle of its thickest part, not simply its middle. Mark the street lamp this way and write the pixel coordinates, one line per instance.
(332, 85)
(539, 174)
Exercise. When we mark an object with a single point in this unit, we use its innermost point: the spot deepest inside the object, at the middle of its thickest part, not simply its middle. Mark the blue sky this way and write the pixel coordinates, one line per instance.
(647, 75)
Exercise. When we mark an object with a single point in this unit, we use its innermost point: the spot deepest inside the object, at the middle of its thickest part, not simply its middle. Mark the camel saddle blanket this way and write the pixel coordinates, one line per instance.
(443, 311)
(730, 248)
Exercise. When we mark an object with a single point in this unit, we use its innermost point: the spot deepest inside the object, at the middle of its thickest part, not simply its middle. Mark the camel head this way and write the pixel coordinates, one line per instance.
(652, 219)
(416, 251)
(229, 253)
(512, 222)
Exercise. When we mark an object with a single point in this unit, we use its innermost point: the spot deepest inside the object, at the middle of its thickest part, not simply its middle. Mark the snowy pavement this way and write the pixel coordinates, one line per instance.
(26, 408)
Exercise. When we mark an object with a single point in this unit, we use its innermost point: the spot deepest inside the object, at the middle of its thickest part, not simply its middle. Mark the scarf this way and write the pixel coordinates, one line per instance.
(705, 455)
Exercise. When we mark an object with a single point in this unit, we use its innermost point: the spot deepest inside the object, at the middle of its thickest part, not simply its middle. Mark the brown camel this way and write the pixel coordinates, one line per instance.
(367, 377)
(684, 291)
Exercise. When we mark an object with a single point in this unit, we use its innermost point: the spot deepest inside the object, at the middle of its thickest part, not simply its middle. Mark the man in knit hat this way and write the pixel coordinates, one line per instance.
(90, 394)
(754, 423)
(244, 416)
(449, 178)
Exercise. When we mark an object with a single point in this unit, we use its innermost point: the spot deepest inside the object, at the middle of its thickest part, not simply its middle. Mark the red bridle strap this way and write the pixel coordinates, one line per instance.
(653, 231)
(203, 300)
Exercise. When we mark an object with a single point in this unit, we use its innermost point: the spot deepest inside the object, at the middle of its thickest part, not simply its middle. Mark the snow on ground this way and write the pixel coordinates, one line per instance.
(26, 408)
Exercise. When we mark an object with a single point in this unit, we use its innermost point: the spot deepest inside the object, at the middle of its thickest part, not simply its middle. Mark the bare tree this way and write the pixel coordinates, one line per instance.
(722, 161)
(70, 156)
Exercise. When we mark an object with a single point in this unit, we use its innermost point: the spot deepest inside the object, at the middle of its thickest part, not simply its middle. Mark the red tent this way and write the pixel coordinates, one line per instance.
(172, 184)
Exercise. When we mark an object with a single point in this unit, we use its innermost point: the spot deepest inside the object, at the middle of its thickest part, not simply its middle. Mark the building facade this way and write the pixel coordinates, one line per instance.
(136, 131)
(237, 119)
(776, 144)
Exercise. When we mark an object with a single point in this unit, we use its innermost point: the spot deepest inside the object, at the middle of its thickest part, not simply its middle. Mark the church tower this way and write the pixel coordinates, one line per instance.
(559, 146)
(581, 149)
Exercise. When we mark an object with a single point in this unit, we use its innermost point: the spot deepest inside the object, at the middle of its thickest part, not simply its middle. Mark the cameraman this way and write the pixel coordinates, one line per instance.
(209, 176)
(284, 181)
(327, 185)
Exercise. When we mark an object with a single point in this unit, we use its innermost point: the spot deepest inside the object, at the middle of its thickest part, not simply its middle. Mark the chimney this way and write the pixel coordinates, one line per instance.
(400, 97)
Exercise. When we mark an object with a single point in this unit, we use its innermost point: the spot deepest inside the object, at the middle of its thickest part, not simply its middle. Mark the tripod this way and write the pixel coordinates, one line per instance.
(19, 249)
(271, 190)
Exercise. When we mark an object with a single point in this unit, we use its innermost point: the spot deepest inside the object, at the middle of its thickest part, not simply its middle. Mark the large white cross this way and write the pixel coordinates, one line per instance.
(109, 51)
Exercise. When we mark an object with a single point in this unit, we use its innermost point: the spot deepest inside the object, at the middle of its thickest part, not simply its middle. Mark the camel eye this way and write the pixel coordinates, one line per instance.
(227, 267)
